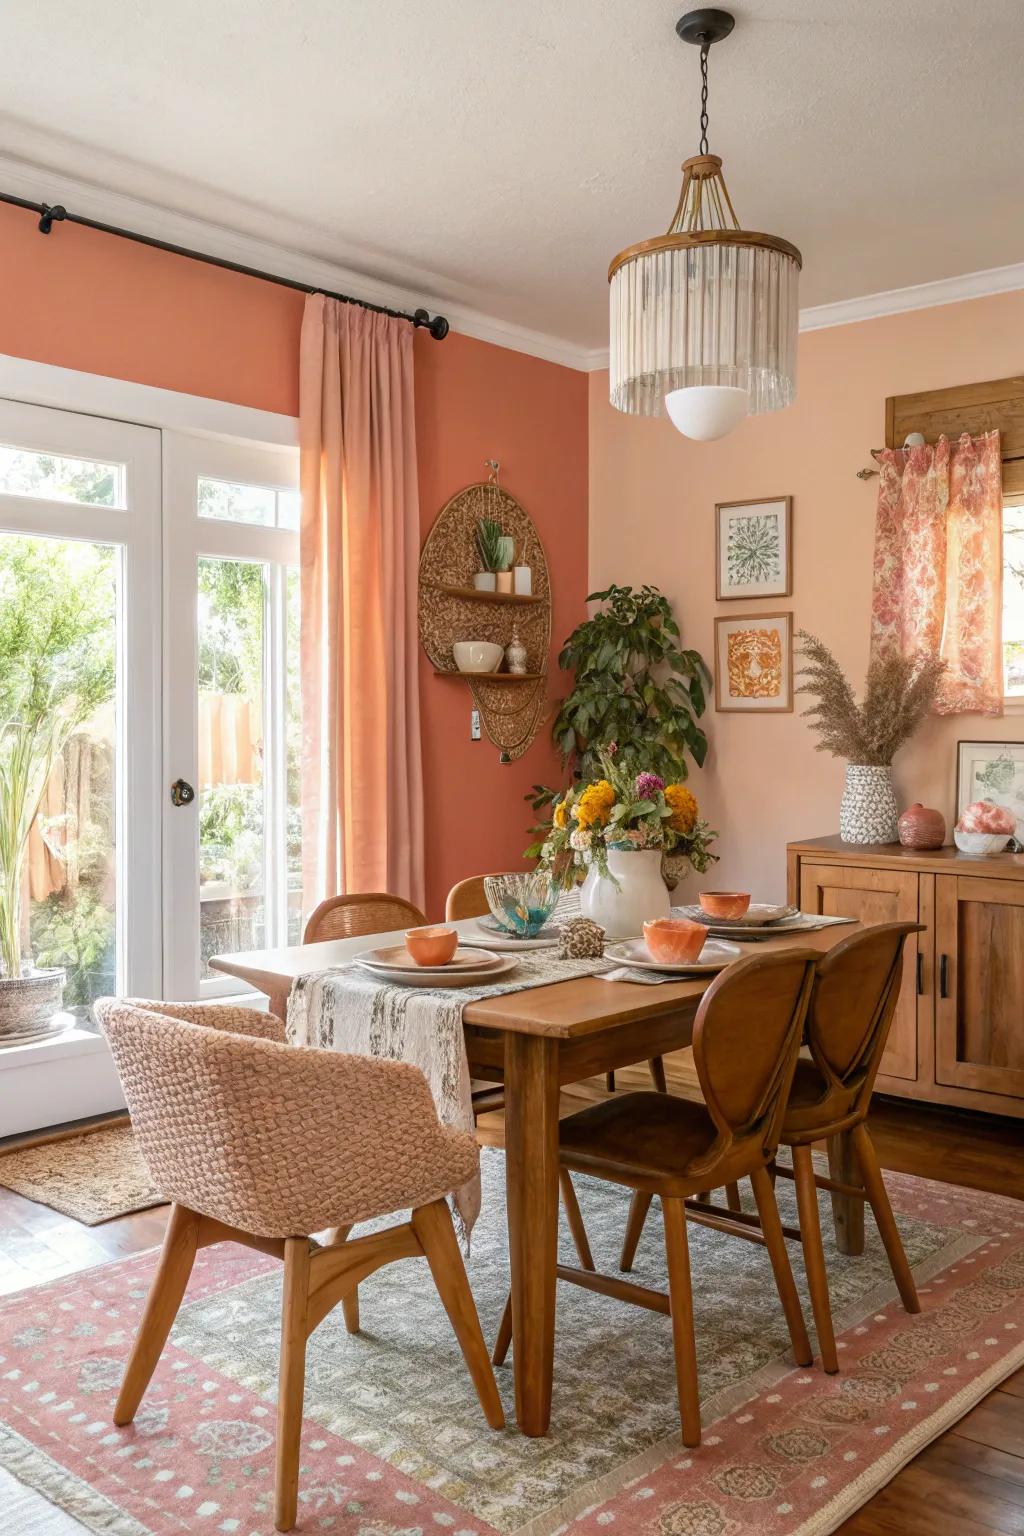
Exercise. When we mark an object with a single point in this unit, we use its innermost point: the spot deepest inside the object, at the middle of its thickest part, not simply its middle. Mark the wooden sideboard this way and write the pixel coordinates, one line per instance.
(958, 1036)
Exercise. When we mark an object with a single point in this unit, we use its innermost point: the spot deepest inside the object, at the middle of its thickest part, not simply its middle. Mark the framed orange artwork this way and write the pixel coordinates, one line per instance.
(754, 663)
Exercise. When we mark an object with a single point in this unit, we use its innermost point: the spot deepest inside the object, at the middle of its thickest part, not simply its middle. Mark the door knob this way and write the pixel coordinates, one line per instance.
(182, 792)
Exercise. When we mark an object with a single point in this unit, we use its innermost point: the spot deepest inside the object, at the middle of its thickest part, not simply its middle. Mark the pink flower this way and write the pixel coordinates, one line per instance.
(647, 785)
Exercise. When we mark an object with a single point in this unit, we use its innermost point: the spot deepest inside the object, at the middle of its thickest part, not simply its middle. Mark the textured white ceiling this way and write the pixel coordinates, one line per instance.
(499, 154)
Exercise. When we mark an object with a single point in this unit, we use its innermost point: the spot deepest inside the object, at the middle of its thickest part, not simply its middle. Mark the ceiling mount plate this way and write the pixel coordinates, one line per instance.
(705, 27)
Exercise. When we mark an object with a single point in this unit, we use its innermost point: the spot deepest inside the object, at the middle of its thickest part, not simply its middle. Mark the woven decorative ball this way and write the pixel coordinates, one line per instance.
(581, 940)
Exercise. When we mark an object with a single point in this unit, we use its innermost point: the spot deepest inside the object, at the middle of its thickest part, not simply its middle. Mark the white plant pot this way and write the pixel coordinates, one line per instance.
(867, 813)
(484, 581)
(636, 894)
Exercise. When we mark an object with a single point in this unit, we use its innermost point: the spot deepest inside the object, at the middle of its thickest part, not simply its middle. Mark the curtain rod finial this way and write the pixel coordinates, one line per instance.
(47, 216)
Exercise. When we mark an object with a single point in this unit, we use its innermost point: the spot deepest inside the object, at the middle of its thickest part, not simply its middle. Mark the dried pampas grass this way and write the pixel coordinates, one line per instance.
(899, 692)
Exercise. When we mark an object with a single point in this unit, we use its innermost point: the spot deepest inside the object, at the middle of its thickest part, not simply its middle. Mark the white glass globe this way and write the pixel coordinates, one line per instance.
(707, 411)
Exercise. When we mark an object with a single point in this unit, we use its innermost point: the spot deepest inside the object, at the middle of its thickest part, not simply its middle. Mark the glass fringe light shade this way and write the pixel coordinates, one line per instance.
(707, 303)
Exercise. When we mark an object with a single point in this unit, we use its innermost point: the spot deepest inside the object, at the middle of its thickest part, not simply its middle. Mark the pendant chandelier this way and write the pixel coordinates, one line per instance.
(705, 316)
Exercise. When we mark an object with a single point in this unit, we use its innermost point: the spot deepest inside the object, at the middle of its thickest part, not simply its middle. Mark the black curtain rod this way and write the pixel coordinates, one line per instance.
(49, 215)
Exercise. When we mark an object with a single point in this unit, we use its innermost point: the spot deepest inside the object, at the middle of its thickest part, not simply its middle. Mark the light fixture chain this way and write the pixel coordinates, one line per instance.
(704, 98)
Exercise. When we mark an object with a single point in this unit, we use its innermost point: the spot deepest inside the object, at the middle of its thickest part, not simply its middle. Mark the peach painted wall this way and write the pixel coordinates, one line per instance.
(477, 402)
(84, 300)
(652, 502)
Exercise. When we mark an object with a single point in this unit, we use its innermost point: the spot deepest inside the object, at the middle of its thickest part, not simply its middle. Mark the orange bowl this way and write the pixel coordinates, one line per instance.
(675, 940)
(433, 945)
(725, 903)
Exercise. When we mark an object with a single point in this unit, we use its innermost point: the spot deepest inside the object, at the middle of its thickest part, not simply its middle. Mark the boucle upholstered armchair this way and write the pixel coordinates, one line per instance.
(264, 1143)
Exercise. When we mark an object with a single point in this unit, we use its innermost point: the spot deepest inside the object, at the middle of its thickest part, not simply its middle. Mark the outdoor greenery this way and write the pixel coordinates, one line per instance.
(78, 935)
(56, 669)
(899, 692)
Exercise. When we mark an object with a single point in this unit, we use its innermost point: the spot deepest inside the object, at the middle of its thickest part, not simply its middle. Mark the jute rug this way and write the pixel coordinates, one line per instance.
(394, 1443)
(92, 1177)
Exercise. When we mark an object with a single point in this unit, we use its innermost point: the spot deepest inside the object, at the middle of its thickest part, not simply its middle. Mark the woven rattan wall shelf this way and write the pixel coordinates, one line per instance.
(450, 608)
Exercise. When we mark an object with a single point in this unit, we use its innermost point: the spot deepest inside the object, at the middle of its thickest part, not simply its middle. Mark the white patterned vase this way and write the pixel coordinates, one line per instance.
(867, 813)
(635, 895)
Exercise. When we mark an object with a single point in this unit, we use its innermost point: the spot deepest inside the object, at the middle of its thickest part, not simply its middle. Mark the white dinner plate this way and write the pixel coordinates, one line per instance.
(395, 957)
(715, 956)
(442, 976)
(760, 914)
(493, 934)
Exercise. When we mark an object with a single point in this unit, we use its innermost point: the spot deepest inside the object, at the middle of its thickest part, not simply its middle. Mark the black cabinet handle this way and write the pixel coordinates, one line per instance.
(920, 974)
(944, 976)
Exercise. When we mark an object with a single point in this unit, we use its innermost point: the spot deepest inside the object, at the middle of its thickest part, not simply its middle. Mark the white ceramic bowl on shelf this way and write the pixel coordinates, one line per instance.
(477, 655)
(980, 843)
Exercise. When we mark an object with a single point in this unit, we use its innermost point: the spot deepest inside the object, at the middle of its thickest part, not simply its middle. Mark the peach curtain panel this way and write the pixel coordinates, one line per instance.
(939, 566)
(362, 778)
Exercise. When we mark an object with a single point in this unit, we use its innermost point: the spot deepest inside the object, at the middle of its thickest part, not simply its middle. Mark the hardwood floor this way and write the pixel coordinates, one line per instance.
(970, 1482)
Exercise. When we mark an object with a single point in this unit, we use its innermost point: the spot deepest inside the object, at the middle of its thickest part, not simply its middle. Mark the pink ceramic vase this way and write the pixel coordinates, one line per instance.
(921, 827)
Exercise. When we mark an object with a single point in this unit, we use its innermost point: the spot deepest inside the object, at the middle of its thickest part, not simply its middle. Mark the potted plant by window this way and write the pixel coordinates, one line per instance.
(56, 668)
(899, 692)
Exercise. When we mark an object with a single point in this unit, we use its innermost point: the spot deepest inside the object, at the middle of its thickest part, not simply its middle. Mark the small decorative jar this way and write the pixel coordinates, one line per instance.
(515, 654)
(522, 581)
(503, 581)
(921, 827)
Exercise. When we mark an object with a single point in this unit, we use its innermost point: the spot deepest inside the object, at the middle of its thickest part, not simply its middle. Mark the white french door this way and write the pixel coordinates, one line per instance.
(232, 845)
(80, 506)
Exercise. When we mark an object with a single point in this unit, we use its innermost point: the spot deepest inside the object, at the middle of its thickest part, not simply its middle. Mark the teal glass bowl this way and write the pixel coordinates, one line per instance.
(521, 903)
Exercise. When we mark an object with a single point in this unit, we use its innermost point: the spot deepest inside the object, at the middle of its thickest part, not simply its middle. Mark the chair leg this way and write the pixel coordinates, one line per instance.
(639, 1205)
(814, 1256)
(433, 1226)
(775, 1242)
(657, 1070)
(886, 1221)
(609, 1081)
(349, 1303)
(503, 1342)
(677, 1254)
(732, 1197)
(574, 1216)
(181, 1242)
(291, 1383)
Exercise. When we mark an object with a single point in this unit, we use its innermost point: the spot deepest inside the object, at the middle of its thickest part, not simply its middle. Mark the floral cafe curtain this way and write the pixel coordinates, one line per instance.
(938, 565)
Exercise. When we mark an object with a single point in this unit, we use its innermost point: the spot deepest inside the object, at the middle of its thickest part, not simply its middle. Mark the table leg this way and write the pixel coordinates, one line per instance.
(847, 1210)
(531, 1160)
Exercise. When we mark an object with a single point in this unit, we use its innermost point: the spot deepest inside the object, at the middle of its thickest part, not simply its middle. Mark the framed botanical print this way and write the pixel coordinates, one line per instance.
(754, 663)
(754, 548)
(991, 770)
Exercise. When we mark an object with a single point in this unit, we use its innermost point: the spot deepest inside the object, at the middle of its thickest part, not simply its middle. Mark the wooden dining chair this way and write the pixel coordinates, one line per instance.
(746, 1037)
(262, 1143)
(349, 917)
(856, 990)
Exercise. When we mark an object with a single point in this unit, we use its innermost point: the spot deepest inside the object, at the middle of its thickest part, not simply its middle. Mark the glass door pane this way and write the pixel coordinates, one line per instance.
(232, 596)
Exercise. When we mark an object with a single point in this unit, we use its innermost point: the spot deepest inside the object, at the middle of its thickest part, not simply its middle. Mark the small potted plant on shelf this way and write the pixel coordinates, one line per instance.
(56, 669)
(490, 543)
(899, 692)
(617, 828)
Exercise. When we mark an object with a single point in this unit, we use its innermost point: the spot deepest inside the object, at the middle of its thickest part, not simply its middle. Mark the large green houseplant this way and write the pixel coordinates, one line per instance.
(637, 693)
(56, 668)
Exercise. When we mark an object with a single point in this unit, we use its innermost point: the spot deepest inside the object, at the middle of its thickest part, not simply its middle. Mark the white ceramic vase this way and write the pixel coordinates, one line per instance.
(636, 894)
(867, 813)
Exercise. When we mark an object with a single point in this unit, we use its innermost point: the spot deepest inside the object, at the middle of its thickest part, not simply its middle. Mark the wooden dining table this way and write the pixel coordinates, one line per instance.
(535, 1042)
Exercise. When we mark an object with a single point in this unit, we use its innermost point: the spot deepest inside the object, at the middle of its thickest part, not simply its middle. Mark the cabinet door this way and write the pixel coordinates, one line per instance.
(979, 1009)
(875, 896)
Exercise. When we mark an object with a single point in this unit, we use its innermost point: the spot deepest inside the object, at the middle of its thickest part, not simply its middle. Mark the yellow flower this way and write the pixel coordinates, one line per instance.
(683, 806)
(595, 804)
(561, 814)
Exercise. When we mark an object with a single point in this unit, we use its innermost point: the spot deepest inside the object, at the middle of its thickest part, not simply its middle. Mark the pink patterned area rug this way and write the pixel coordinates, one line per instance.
(394, 1443)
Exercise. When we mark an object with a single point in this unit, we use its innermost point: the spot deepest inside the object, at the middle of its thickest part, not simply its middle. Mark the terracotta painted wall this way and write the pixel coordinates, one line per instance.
(652, 503)
(84, 300)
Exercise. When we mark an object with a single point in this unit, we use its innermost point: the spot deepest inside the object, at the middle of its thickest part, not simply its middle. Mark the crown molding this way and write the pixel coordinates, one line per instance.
(895, 301)
(40, 184)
